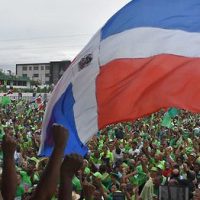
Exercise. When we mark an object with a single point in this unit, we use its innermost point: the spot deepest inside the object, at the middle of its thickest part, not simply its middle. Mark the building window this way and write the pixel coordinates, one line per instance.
(47, 67)
(30, 68)
(42, 67)
(35, 75)
(35, 68)
(19, 83)
(24, 75)
(47, 75)
(24, 68)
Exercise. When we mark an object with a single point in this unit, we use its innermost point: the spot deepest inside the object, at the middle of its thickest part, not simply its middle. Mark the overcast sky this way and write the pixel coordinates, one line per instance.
(48, 30)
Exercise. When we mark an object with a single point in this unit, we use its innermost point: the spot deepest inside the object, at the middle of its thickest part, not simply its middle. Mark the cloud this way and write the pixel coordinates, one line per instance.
(45, 30)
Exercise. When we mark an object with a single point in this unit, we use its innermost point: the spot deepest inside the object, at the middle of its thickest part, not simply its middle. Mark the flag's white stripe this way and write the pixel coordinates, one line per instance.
(84, 91)
(147, 42)
(85, 107)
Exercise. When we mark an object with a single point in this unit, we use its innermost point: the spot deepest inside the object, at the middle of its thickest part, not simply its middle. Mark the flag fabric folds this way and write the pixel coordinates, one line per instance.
(146, 57)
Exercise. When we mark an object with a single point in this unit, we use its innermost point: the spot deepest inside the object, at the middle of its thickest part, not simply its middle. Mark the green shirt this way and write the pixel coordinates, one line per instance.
(25, 178)
(148, 190)
(20, 191)
(87, 171)
(76, 183)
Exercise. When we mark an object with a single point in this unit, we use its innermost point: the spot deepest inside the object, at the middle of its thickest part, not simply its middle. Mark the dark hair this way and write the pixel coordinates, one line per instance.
(102, 168)
(118, 150)
(176, 166)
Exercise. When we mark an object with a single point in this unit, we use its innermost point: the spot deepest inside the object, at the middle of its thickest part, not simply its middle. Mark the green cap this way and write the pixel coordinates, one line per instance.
(98, 175)
(189, 150)
(160, 166)
(154, 169)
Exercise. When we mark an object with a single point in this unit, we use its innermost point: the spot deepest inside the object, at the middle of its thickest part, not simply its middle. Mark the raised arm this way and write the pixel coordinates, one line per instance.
(49, 179)
(9, 175)
(70, 166)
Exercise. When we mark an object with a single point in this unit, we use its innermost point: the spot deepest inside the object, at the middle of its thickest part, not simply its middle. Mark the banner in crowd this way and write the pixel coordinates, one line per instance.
(146, 57)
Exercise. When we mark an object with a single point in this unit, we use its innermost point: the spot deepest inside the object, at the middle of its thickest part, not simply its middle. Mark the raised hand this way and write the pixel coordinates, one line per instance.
(9, 176)
(60, 136)
(49, 179)
(8, 145)
(71, 164)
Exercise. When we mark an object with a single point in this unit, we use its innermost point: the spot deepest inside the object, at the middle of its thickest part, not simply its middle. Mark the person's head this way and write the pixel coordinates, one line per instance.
(85, 163)
(104, 149)
(102, 168)
(125, 155)
(197, 194)
(144, 159)
(31, 166)
(158, 157)
(113, 177)
(164, 143)
(123, 187)
(167, 165)
(152, 153)
(153, 172)
(139, 140)
(96, 154)
(196, 167)
(157, 180)
(176, 166)
(129, 188)
(175, 173)
(169, 150)
(113, 188)
(191, 176)
(179, 161)
(118, 150)
(192, 157)
(18, 179)
(134, 145)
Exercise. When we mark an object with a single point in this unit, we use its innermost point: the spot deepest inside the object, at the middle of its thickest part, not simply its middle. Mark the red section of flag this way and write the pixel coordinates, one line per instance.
(128, 89)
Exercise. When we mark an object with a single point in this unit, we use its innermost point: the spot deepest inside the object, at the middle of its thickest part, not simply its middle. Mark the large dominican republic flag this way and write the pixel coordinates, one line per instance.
(146, 57)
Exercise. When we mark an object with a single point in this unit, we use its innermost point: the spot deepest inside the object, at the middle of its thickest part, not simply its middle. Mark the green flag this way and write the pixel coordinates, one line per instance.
(173, 112)
(167, 121)
(5, 100)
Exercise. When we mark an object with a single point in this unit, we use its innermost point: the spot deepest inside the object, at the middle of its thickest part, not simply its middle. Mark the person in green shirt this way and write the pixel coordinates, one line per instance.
(26, 180)
(85, 169)
(149, 191)
(77, 184)
(95, 158)
(20, 188)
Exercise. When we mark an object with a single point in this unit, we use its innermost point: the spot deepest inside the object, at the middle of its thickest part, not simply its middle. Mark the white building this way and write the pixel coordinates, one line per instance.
(36, 71)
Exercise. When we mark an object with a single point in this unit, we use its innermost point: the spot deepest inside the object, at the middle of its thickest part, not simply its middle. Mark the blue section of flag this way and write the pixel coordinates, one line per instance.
(63, 114)
(167, 14)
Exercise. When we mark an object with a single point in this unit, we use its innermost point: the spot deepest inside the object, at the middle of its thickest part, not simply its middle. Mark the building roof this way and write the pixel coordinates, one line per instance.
(24, 64)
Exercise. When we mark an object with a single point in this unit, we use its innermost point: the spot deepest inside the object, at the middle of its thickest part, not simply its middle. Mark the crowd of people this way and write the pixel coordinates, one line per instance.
(136, 160)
